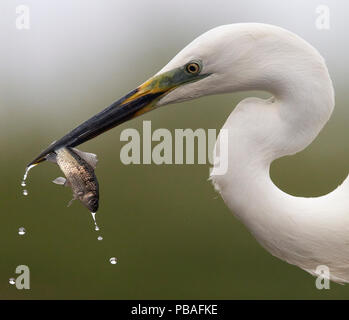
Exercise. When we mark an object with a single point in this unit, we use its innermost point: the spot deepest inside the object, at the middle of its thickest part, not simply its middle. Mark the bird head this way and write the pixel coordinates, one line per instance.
(225, 59)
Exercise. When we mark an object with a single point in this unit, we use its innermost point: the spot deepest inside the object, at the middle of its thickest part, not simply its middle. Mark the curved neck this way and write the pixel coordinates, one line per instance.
(305, 101)
(302, 103)
(261, 131)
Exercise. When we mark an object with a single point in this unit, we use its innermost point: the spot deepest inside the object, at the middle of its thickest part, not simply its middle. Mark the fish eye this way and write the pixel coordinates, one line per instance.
(92, 201)
(93, 204)
(193, 68)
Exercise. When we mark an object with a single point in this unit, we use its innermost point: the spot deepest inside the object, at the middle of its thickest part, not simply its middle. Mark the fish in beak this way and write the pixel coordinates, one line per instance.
(135, 103)
(78, 168)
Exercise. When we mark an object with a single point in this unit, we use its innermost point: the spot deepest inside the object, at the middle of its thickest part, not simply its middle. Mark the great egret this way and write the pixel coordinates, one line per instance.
(306, 232)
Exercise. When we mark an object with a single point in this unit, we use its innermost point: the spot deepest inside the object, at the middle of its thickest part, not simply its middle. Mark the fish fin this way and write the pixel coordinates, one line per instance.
(71, 201)
(52, 157)
(90, 158)
(62, 181)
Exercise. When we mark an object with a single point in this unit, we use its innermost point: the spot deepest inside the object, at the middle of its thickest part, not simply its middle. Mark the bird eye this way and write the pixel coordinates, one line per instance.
(193, 68)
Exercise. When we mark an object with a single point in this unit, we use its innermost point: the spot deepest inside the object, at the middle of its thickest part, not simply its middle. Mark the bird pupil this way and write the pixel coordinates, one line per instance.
(193, 68)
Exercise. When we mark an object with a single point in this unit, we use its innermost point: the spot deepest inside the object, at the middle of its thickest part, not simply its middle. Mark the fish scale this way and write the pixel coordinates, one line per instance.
(78, 168)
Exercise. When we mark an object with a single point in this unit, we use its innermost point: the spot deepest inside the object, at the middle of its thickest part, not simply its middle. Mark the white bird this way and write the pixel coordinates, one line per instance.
(306, 232)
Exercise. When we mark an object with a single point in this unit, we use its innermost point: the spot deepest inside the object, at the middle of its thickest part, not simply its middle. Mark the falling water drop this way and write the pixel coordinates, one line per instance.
(113, 260)
(26, 172)
(99, 238)
(23, 183)
(94, 220)
(12, 281)
(21, 231)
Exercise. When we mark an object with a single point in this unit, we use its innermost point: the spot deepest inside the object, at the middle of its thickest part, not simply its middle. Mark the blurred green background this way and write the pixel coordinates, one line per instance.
(172, 234)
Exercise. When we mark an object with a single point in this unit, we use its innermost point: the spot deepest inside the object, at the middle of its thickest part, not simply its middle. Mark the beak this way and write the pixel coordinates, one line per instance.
(135, 103)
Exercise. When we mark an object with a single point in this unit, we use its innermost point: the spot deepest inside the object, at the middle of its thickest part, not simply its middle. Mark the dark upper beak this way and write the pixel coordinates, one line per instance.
(133, 104)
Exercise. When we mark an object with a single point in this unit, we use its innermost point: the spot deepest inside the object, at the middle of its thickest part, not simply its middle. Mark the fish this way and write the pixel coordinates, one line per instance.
(79, 170)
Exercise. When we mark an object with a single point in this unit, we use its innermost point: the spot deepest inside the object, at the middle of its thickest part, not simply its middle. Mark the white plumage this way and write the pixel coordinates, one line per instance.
(306, 232)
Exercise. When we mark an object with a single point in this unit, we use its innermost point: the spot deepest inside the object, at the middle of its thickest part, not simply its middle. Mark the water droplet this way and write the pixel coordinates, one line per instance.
(21, 231)
(23, 183)
(12, 281)
(94, 220)
(100, 238)
(113, 260)
(27, 171)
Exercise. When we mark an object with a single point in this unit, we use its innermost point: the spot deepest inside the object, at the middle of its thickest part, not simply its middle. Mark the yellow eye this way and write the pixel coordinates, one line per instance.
(193, 68)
